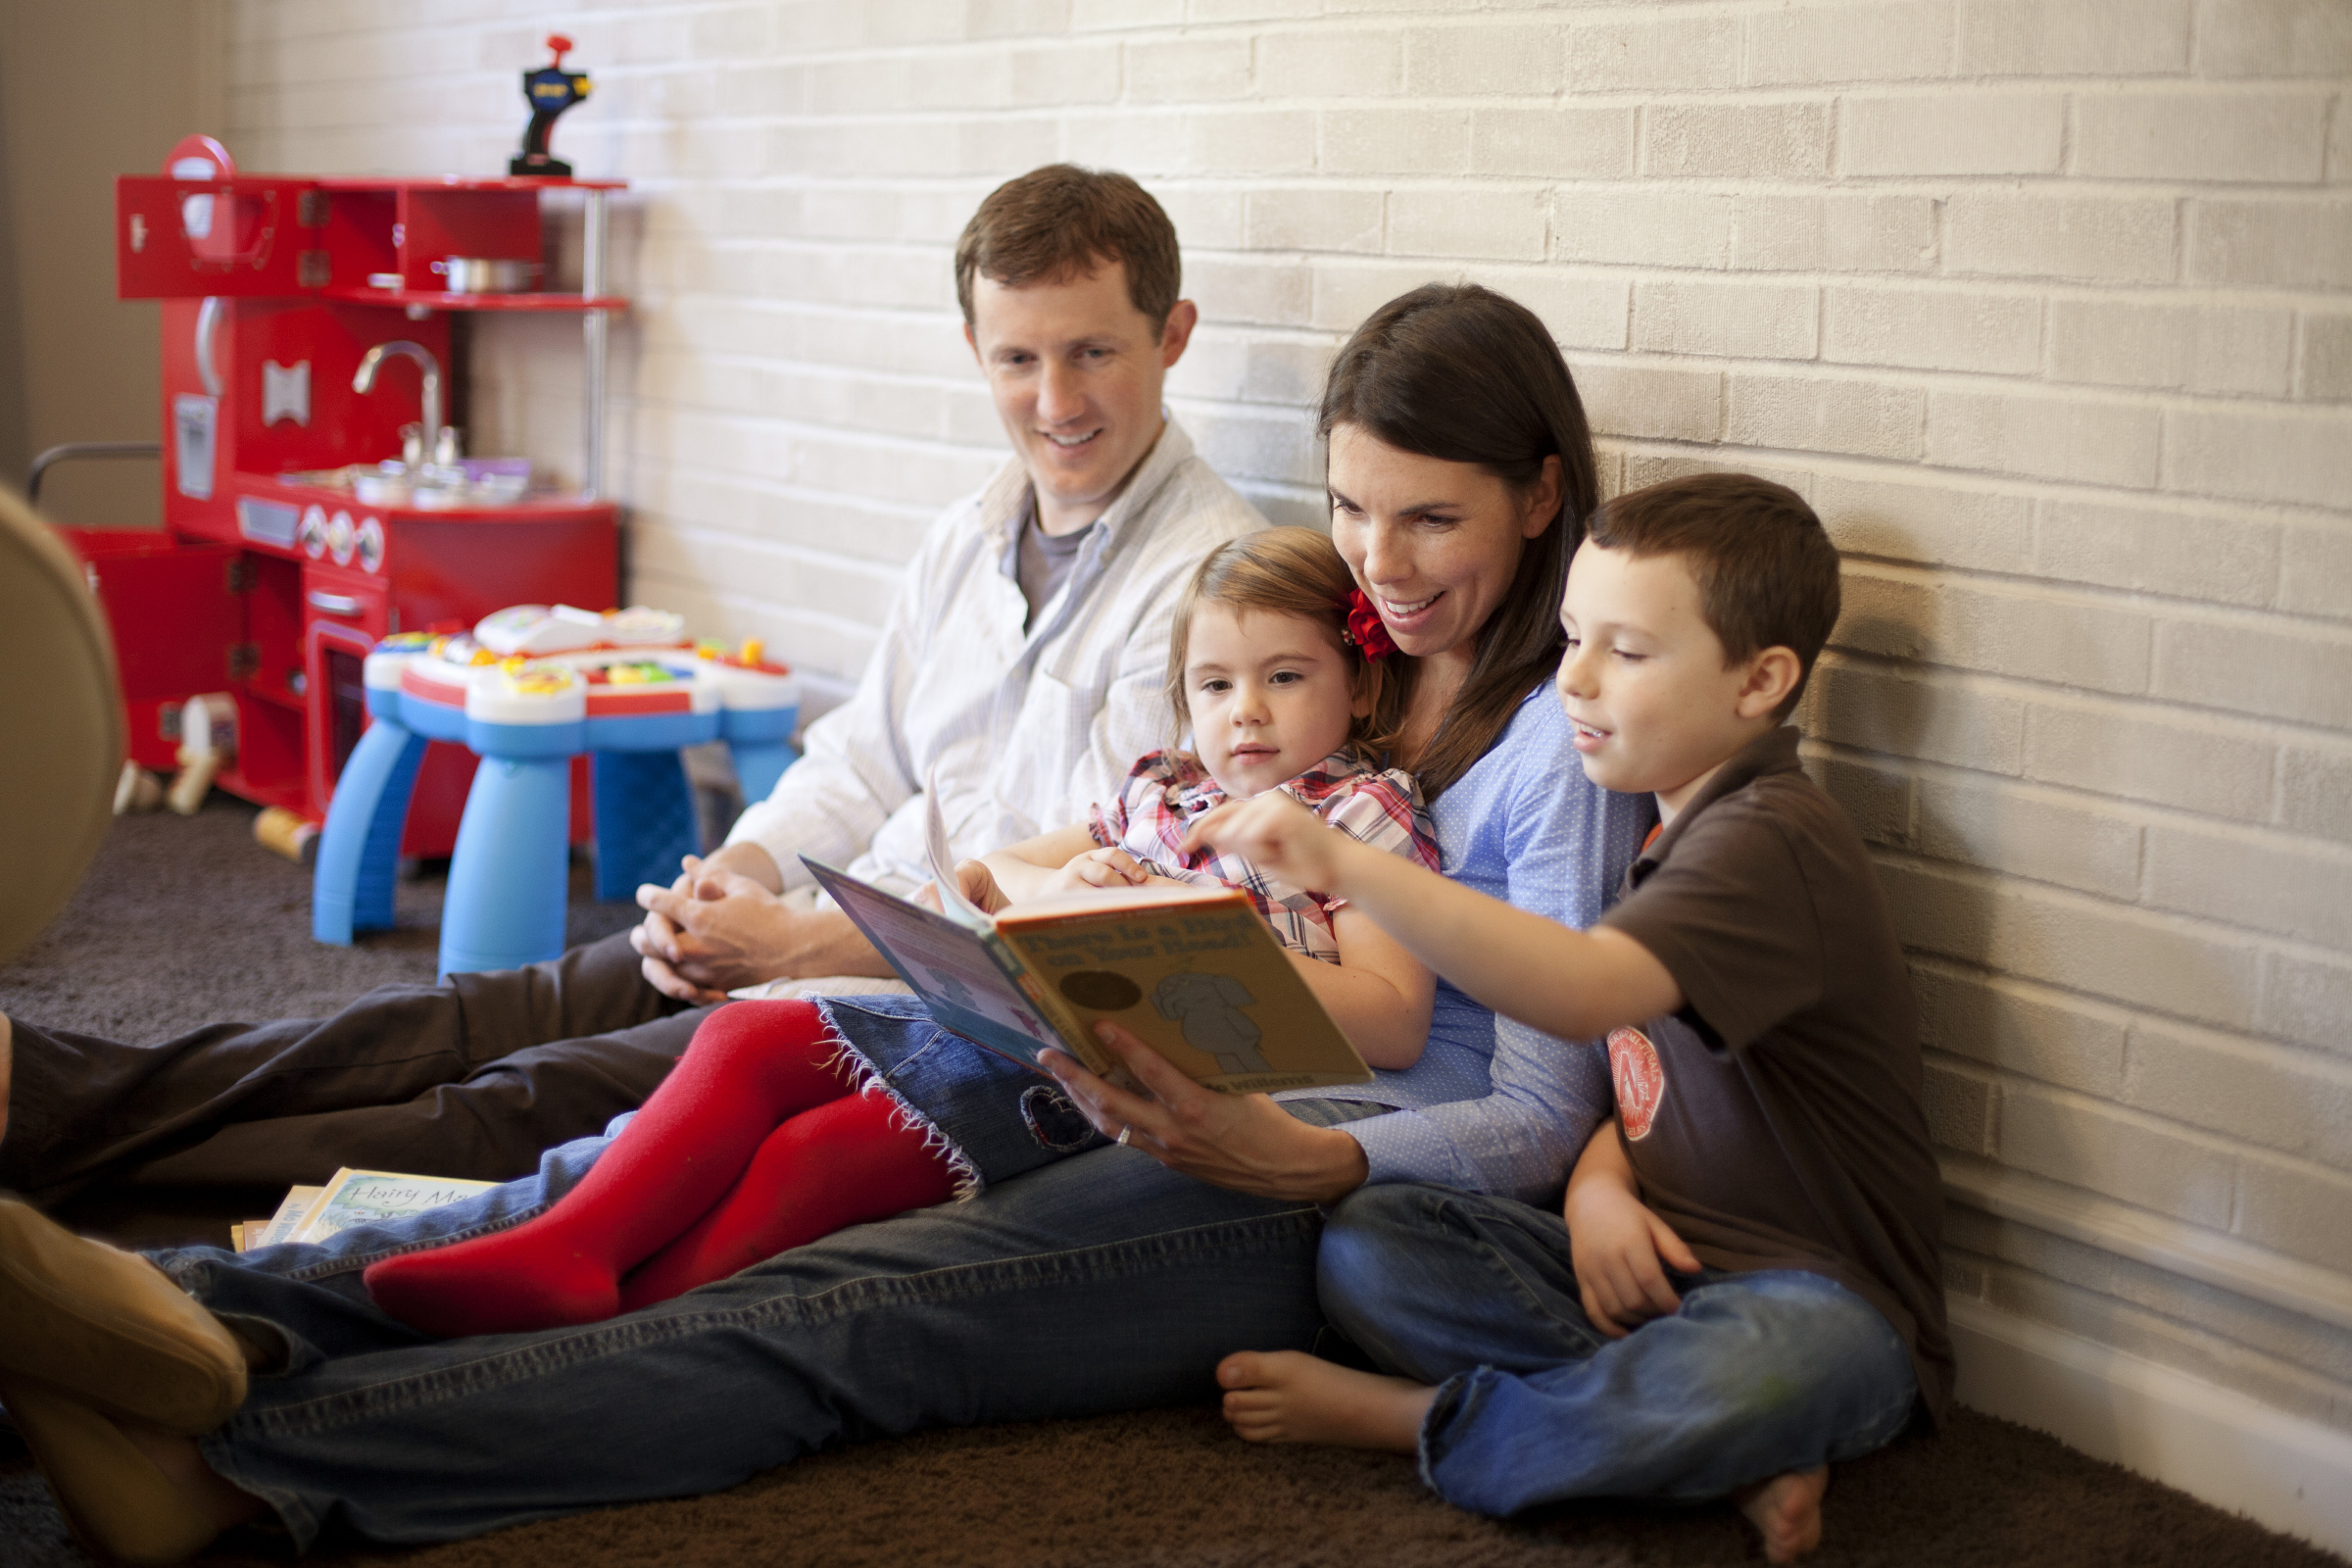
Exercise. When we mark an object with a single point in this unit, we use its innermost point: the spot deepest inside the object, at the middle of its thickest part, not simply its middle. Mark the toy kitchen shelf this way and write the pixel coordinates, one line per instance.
(305, 322)
(402, 230)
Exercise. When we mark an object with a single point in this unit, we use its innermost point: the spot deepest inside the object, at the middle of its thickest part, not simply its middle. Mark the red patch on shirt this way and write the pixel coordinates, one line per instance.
(1640, 1080)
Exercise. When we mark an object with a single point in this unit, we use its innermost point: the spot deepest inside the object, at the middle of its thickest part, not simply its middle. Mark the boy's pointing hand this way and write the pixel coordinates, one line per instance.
(1274, 832)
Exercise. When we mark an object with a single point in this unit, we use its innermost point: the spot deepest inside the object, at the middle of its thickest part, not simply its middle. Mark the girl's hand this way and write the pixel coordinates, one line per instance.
(1275, 832)
(975, 882)
(1112, 867)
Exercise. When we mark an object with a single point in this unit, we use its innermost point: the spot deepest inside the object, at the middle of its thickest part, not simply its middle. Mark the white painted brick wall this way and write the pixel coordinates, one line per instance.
(2045, 304)
(1936, 132)
(2271, 1353)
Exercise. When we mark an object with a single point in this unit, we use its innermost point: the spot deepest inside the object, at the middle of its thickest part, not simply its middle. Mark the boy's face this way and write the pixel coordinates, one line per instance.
(1645, 681)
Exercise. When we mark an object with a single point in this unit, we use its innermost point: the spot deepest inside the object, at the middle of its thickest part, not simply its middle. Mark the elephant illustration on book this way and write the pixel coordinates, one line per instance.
(1209, 1008)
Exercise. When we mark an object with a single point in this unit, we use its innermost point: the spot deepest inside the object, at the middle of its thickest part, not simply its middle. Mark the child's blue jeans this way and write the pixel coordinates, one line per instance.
(1759, 1373)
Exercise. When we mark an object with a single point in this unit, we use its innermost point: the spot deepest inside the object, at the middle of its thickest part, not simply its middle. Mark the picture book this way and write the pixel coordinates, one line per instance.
(279, 1227)
(352, 1197)
(1192, 971)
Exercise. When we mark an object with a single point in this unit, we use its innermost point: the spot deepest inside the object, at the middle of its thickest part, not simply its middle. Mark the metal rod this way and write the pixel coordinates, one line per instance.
(84, 449)
(596, 328)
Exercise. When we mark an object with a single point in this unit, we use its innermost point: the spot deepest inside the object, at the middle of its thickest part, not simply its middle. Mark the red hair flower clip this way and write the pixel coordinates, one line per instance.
(1364, 627)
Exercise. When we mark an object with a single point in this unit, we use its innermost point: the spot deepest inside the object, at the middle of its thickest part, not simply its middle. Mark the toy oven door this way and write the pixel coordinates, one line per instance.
(343, 621)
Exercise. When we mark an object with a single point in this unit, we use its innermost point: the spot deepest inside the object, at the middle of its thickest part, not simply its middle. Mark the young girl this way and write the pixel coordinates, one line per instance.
(784, 1122)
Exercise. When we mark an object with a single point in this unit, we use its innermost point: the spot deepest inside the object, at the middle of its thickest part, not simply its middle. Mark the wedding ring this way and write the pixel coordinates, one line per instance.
(1125, 1132)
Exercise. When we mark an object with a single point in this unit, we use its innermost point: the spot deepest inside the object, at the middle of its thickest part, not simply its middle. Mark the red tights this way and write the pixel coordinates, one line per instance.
(754, 1143)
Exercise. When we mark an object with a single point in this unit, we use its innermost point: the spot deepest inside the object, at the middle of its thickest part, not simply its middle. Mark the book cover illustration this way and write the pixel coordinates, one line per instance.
(1195, 974)
(368, 1197)
(950, 965)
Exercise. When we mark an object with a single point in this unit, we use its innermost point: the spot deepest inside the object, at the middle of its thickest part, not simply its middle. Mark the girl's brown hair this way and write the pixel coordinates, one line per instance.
(1290, 571)
(1459, 372)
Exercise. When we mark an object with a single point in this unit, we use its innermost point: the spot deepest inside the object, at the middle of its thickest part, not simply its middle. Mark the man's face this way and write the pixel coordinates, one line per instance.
(1075, 369)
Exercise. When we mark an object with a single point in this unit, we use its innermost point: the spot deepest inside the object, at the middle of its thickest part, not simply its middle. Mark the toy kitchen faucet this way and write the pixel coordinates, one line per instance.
(428, 395)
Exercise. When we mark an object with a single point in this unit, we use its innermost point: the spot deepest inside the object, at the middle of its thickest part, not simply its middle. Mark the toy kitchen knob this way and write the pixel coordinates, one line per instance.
(369, 544)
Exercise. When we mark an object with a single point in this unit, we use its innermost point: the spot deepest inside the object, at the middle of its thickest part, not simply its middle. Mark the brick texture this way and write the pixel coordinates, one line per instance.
(2047, 307)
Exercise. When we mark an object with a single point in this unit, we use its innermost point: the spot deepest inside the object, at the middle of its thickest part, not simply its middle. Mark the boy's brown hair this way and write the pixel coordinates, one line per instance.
(1062, 221)
(1290, 571)
(1767, 573)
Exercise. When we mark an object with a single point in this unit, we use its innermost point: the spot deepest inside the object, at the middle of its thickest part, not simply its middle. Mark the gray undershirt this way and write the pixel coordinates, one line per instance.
(1044, 562)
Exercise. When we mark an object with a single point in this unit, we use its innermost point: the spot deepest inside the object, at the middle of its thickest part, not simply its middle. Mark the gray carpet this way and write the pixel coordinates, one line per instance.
(181, 921)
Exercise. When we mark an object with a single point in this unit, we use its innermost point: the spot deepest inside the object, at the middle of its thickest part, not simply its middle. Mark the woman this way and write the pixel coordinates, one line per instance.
(1460, 465)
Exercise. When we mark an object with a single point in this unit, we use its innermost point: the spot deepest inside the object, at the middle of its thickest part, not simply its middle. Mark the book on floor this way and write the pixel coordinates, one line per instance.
(351, 1198)
(279, 1227)
(1192, 971)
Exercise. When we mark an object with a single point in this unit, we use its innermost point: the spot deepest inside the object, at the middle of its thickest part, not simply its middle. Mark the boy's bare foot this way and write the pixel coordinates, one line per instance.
(1787, 1511)
(1284, 1396)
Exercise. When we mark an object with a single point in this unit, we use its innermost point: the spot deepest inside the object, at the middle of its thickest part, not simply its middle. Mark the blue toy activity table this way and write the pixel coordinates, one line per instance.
(628, 708)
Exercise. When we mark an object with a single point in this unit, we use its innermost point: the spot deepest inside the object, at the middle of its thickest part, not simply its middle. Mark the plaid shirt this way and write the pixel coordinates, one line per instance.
(1166, 791)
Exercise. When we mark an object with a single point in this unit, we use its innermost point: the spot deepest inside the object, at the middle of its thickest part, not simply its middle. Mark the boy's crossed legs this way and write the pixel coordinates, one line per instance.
(1513, 1399)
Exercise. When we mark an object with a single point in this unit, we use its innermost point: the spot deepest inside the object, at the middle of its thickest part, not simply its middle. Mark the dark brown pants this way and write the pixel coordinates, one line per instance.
(471, 1077)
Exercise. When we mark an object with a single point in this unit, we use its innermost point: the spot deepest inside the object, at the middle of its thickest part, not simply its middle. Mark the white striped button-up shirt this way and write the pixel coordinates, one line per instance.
(1023, 730)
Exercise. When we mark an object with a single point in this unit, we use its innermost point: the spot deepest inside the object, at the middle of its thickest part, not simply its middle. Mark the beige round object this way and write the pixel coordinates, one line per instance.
(60, 725)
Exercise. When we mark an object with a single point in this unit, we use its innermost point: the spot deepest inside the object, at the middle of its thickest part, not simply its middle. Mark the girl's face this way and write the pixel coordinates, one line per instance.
(1435, 544)
(1269, 694)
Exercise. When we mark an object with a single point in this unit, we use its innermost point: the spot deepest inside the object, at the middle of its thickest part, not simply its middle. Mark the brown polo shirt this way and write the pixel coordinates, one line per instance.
(1775, 1120)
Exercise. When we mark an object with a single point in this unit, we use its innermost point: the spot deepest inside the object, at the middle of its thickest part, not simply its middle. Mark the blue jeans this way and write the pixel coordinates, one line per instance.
(1103, 1282)
(1759, 1373)
(999, 1118)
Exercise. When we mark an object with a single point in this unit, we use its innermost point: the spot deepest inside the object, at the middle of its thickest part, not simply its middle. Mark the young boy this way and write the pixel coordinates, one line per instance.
(1744, 1284)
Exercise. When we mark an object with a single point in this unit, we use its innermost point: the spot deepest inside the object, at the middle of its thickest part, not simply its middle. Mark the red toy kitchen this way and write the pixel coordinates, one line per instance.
(315, 493)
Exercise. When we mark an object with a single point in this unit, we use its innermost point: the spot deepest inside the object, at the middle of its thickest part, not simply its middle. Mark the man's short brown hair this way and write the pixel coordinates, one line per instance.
(1062, 221)
(1767, 573)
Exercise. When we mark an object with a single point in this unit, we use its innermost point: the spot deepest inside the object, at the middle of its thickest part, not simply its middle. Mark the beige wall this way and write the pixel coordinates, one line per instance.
(2046, 304)
(88, 89)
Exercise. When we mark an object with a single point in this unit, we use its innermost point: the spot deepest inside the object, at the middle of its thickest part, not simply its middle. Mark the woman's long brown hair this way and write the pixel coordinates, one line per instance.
(1459, 372)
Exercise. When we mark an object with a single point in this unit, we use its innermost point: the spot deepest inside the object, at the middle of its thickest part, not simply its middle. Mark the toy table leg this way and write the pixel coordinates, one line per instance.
(645, 822)
(359, 849)
(758, 767)
(508, 875)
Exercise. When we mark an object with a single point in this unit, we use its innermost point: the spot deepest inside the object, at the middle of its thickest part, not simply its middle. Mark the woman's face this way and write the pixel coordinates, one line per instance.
(1435, 544)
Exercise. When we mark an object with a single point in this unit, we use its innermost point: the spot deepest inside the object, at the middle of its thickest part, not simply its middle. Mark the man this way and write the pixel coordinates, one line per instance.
(1019, 673)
